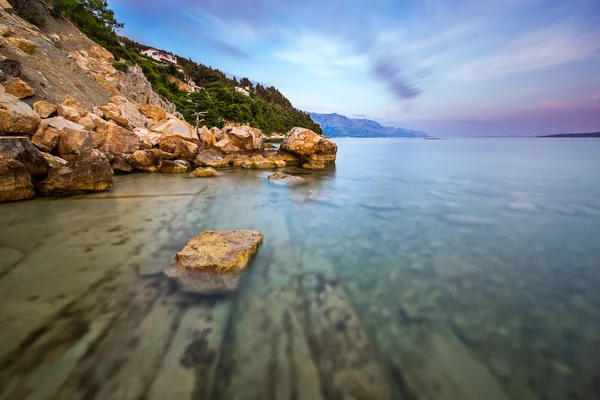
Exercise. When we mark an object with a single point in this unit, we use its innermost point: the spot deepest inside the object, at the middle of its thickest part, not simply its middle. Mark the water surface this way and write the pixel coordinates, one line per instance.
(450, 269)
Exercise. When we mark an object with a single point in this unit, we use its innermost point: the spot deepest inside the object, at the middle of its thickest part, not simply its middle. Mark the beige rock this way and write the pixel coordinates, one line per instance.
(225, 146)
(314, 165)
(129, 111)
(163, 155)
(204, 172)
(51, 130)
(87, 122)
(146, 136)
(44, 109)
(72, 143)
(15, 182)
(211, 158)
(120, 141)
(153, 111)
(23, 44)
(16, 116)
(285, 179)
(219, 251)
(145, 161)
(244, 138)
(180, 148)
(54, 161)
(89, 172)
(5, 31)
(120, 164)
(73, 102)
(261, 162)
(18, 88)
(237, 159)
(307, 145)
(176, 127)
(173, 167)
(112, 112)
(68, 112)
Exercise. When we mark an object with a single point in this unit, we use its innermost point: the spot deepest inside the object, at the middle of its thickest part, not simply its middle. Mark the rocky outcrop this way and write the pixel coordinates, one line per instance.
(312, 148)
(50, 130)
(134, 85)
(176, 127)
(145, 161)
(261, 162)
(173, 167)
(205, 172)
(211, 262)
(180, 147)
(89, 172)
(16, 116)
(18, 88)
(21, 149)
(20, 164)
(287, 180)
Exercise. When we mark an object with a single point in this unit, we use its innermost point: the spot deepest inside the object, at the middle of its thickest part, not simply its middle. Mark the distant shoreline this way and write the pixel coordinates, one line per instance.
(573, 135)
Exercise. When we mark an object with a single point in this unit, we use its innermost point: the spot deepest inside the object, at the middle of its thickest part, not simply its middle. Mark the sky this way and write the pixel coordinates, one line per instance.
(448, 68)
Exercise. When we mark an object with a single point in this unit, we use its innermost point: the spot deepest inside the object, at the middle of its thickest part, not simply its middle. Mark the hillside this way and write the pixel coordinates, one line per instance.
(219, 101)
(573, 135)
(335, 125)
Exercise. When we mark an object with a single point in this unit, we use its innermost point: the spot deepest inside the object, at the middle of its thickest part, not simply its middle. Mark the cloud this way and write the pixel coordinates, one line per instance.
(390, 72)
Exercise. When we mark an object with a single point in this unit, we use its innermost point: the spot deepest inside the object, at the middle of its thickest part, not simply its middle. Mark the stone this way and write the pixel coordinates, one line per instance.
(18, 88)
(146, 136)
(20, 149)
(163, 155)
(90, 172)
(119, 141)
(54, 161)
(289, 159)
(310, 147)
(133, 85)
(225, 146)
(145, 161)
(203, 282)
(112, 112)
(68, 112)
(16, 116)
(219, 251)
(74, 103)
(244, 138)
(176, 127)
(314, 165)
(237, 159)
(179, 147)
(44, 109)
(211, 158)
(204, 172)
(285, 179)
(23, 44)
(129, 111)
(15, 182)
(173, 167)
(87, 122)
(120, 164)
(269, 146)
(153, 111)
(72, 143)
(47, 135)
(261, 162)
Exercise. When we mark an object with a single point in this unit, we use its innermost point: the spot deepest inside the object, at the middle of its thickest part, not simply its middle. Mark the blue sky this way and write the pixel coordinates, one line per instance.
(449, 68)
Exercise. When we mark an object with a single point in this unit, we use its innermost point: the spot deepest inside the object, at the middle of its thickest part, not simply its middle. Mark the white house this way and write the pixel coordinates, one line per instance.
(160, 55)
(245, 91)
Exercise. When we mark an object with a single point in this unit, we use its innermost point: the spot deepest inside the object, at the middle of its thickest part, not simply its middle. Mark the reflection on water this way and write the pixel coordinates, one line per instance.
(463, 269)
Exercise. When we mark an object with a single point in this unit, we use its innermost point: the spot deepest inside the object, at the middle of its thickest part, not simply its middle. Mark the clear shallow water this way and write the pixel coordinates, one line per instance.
(451, 269)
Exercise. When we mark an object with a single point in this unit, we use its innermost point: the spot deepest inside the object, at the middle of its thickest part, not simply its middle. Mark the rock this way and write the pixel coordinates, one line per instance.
(163, 155)
(203, 282)
(72, 143)
(204, 172)
(68, 112)
(18, 88)
(16, 116)
(244, 138)
(129, 111)
(54, 161)
(269, 146)
(237, 159)
(261, 162)
(49, 131)
(20, 149)
(120, 164)
(289, 159)
(90, 172)
(23, 44)
(219, 251)
(145, 161)
(178, 146)
(153, 111)
(211, 158)
(285, 179)
(118, 140)
(147, 136)
(225, 146)
(87, 122)
(176, 127)
(73, 103)
(44, 109)
(112, 112)
(314, 165)
(307, 145)
(173, 167)
(15, 182)
(133, 85)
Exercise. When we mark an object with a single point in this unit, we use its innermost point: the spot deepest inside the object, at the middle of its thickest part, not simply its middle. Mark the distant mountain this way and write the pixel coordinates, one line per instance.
(565, 135)
(335, 125)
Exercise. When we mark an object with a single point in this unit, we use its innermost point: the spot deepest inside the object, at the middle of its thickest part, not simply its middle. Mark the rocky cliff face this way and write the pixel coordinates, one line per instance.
(63, 104)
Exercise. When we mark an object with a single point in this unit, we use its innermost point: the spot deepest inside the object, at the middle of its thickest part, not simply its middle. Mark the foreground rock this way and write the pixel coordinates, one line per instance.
(18, 88)
(21, 164)
(312, 148)
(211, 158)
(145, 161)
(15, 182)
(204, 172)
(211, 262)
(16, 116)
(285, 179)
(90, 172)
(173, 167)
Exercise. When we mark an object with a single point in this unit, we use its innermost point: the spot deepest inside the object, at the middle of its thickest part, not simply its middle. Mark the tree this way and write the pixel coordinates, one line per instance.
(104, 15)
(245, 82)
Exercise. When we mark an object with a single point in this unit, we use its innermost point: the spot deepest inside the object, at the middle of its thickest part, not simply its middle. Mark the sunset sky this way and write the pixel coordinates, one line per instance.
(449, 68)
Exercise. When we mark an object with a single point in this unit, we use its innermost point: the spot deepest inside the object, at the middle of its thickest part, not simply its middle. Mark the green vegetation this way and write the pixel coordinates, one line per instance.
(265, 108)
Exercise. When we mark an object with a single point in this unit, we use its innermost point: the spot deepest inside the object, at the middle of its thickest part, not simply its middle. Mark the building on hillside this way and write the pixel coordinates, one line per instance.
(245, 91)
(160, 55)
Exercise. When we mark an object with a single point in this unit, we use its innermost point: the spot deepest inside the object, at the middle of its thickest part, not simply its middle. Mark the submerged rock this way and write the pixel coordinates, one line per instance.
(204, 172)
(285, 179)
(211, 262)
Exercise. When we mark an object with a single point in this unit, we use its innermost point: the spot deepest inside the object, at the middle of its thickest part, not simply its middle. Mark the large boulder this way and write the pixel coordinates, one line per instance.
(118, 140)
(134, 85)
(211, 262)
(15, 182)
(49, 131)
(21, 150)
(129, 111)
(44, 109)
(244, 138)
(181, 148)
(18, 88)
(90, 172)
(312, 148)
(260, 162)
(176, 127)
(112, 112)
(211, 158)
(16, 116)
(145, 161)
(157, 113)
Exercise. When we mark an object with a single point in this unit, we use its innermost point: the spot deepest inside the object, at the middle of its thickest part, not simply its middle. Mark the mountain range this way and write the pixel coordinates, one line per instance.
(336, 125)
